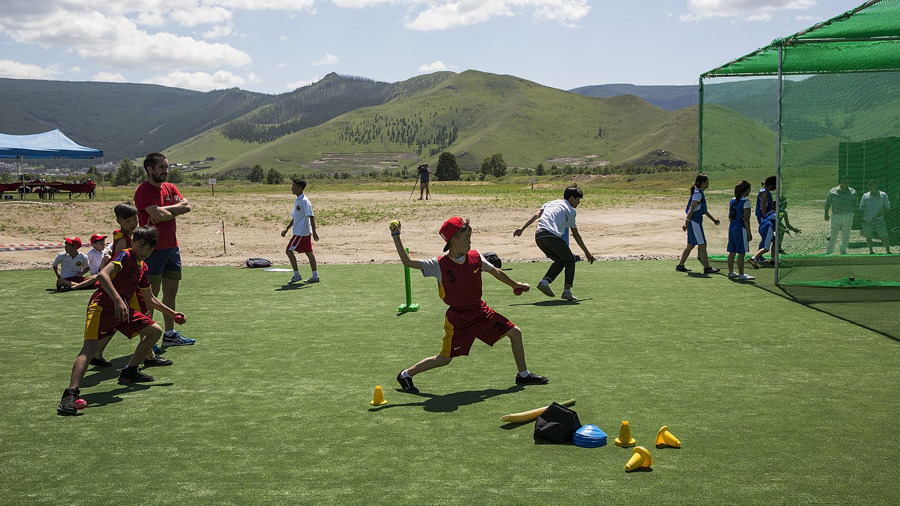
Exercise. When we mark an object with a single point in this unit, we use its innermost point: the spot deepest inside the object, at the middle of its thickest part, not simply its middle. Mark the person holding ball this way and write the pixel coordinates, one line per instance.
(458, 275)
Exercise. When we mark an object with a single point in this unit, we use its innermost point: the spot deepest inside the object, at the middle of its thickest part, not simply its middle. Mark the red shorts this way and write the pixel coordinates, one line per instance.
(101, 322)
(462, 325)
(300, 244)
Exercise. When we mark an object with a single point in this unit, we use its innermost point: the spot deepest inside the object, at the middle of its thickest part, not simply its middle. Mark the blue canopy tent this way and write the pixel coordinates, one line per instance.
(52, 144)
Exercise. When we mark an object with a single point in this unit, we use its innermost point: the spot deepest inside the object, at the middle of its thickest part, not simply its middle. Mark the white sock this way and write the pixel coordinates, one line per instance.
(315, 274)
(170, 332)
(404, 374)
(524, 374)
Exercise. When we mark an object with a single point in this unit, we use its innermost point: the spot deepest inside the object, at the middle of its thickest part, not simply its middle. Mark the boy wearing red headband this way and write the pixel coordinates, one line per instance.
(468, 318)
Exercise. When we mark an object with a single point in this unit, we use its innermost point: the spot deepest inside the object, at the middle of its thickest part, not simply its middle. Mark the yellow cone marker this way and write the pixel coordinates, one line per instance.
(625, 440)
(378, 398)
(639, 458)
(664, 438)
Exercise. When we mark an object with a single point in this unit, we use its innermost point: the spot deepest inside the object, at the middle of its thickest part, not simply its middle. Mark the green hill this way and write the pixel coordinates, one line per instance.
(472, 114)
(124, 120)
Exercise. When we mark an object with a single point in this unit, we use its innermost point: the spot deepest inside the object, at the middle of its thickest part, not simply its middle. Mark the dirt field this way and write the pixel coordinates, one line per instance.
(352, 228)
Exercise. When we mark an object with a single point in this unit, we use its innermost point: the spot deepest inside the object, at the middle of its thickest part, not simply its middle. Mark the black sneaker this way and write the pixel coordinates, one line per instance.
(132, 375)
(531, 379)
(156, 362)
(710, 270)
(406, 384)
(681, 268)
(67, 403)
(100, 362)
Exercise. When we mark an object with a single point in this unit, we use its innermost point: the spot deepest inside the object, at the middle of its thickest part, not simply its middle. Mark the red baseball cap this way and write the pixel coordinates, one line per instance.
(74, 241)
(450, 228)
(97, 237)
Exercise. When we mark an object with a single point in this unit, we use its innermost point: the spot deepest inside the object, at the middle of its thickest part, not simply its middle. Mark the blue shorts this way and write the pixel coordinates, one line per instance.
(695, 233)
(737, 240)
(165, 263)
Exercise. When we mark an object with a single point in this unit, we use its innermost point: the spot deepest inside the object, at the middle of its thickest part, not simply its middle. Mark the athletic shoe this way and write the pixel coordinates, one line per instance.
(681, 268)
(156, 362)
(753, 263)
(100, 362)
(176, 339)
(67, 403)
(314, 279)
(544, 287)
(296, 278)
(710, 270)
(745, 277)
(406, 384)
(567, 295)
(132, 375)
(732, 275)
(531, 379)
(157, 350)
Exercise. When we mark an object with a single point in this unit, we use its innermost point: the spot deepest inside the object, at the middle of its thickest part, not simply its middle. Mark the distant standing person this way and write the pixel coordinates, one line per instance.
(842, 203)
(873, 206)
(693, 225)
(95, 254)
(303, 222)
(424, 178)
(555, 218)
(159, 203)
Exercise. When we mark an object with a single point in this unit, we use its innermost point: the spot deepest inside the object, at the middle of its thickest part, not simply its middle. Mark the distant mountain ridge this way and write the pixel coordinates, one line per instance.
(670, 98)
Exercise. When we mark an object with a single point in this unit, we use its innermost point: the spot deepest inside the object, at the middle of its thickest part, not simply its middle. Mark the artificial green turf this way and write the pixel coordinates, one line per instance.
(774, 401)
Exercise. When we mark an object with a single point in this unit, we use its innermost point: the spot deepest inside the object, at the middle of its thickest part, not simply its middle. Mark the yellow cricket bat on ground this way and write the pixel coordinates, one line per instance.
(527, 416)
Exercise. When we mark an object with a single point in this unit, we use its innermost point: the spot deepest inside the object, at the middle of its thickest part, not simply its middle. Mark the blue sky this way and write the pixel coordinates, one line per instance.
(274, 46)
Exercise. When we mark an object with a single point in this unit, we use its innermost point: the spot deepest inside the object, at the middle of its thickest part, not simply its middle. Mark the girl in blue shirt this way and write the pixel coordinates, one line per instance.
(739, 235)
(693, 225)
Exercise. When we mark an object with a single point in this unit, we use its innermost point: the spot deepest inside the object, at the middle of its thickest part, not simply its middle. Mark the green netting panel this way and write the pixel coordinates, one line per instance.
(832, 126)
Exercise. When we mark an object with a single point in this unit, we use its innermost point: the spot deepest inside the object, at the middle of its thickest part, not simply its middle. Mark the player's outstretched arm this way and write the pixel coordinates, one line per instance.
(506, 280)
(401, 251)
(577, 237)
(517, 232)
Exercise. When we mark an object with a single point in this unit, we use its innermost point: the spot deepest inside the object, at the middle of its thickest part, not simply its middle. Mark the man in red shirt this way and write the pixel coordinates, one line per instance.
(158, 204)
(468, 318)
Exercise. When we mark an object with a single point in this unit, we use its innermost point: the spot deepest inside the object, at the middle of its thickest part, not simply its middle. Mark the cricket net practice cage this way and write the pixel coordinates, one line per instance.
(814, 108)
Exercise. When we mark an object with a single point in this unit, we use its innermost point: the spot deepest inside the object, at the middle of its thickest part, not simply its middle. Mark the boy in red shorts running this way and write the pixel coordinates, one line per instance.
(468, 318)
(303, 223)
(109, 311)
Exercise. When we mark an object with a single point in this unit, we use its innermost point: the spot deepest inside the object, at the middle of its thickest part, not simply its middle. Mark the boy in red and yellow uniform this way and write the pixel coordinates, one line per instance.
(109, 311)
(468, 318)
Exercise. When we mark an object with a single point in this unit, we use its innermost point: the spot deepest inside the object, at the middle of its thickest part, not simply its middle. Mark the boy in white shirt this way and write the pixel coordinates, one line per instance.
(873, 205)
(95, 255)
(71, 265)
(303, 222)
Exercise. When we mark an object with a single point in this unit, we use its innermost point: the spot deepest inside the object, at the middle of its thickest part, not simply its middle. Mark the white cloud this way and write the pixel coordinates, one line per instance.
(435, 66)
(752, 10)
(201, 81)
(195, 15)
(116, 41)
(327, 59)
(108, 77)
(16, 70)
(218, 31)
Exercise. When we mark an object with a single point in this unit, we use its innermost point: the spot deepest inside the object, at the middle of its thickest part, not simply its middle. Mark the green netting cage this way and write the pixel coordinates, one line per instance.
(820, 110)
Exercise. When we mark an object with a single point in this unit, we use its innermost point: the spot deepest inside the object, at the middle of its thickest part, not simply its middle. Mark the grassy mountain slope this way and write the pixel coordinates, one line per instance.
(125, 120)
(473, 115)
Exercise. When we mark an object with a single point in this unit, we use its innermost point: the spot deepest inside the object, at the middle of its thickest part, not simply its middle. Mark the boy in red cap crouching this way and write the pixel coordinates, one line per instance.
(109, 311)
(468, 318)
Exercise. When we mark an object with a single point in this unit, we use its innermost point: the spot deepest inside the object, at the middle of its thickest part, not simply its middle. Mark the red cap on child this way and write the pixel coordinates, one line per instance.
(450, 228)
(74, 241)
(97, 237)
